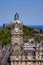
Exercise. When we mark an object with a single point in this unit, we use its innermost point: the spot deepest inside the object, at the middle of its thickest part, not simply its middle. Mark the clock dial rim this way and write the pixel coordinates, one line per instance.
(16, 29)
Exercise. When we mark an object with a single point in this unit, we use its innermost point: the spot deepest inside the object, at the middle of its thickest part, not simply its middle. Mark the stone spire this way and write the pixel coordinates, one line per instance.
(16, 17)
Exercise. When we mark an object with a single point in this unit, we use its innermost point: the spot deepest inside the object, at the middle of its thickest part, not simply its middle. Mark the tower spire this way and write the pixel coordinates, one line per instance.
(16, 17)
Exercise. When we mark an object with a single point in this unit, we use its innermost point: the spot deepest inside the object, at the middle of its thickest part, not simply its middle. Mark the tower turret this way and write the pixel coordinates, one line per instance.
(16, 17)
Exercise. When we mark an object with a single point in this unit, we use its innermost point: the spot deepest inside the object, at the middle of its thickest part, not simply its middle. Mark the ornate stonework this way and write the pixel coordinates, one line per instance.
(24, 53)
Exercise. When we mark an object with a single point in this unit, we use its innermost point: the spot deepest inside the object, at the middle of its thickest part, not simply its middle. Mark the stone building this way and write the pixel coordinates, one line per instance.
(24, 53)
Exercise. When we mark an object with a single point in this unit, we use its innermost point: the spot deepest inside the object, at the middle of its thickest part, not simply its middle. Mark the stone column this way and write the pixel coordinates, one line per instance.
(15, 63)
(23, 63)
(12, 63)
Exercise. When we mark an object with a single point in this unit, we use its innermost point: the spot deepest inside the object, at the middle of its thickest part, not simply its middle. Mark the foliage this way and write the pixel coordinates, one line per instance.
(5, 34)
(27, 31)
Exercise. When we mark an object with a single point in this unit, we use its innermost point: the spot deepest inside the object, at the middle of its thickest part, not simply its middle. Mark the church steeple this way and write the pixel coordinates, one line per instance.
(16, 17)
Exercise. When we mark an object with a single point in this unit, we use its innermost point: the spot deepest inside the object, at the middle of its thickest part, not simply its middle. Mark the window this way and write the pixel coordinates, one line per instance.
(25, 57)
(16, 43)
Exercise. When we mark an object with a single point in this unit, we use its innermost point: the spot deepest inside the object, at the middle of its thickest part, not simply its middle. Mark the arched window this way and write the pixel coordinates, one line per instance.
(16, 43)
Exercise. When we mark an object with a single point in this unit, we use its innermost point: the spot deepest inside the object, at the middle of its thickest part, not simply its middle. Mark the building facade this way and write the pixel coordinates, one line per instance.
(24, 53)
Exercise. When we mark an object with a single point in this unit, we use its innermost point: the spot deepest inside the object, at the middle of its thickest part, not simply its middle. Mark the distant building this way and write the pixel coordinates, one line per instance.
(24, 53)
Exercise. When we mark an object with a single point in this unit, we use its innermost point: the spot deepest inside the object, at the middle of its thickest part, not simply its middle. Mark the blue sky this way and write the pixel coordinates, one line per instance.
(30, 11)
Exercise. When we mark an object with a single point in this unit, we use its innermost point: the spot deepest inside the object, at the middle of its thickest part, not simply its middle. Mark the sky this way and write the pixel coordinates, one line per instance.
(30, 11)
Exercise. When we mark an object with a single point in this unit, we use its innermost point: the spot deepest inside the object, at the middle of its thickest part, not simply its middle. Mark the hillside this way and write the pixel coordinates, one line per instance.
(5, 34)
(27, 31)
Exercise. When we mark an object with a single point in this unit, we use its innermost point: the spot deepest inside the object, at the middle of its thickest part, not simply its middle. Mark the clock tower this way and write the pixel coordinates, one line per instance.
(17, 31)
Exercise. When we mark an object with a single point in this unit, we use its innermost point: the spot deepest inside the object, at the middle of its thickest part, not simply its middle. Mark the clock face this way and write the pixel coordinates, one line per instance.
(16, 29)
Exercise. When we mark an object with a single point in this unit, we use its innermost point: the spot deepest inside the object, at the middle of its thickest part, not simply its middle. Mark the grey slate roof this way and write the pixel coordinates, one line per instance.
(28, 46)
